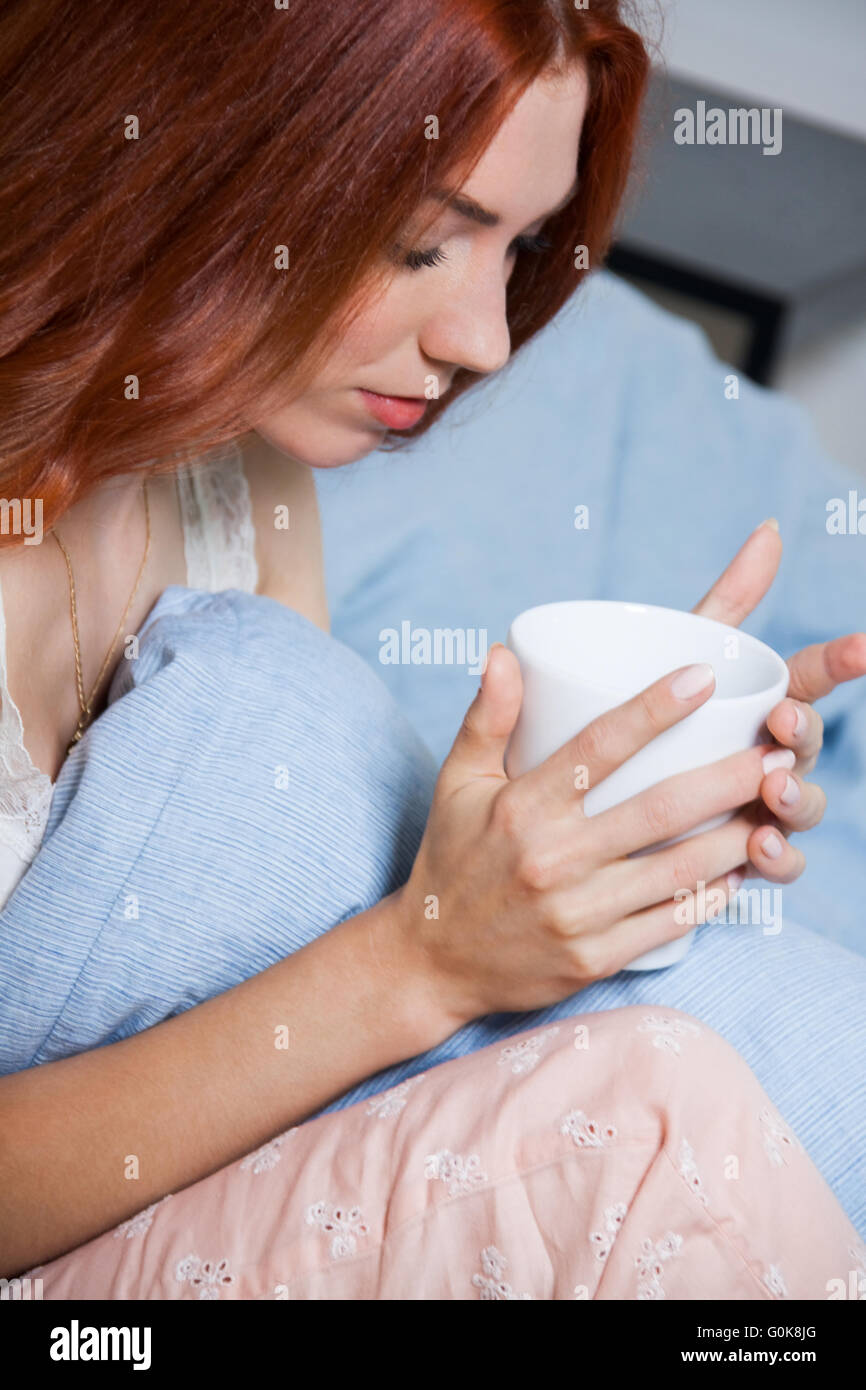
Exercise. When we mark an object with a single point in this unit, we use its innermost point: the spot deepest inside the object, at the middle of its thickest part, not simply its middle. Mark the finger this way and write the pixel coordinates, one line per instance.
(479, 748)
(607, 741)
(797, 804)
(620, 944)
(747, 578)
(818, 669)
(679, 803)
(773, 856)
(633, 884)
(797, 725)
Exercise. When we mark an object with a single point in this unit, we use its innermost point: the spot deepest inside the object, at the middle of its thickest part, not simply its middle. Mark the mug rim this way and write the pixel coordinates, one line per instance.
(549, 667)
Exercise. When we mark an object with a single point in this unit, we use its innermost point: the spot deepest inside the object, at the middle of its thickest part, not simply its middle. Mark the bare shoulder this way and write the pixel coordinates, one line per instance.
(288, 530)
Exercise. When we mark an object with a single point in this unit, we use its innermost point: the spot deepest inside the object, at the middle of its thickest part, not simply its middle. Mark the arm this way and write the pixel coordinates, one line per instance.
(536, 901)
(202, 1088)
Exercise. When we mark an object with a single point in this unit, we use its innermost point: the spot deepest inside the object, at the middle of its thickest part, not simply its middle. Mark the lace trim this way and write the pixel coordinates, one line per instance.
(218, 531)
(220, 549)
(25, 790)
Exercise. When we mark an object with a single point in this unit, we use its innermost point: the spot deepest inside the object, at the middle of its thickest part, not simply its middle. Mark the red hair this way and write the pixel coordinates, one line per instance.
(257, 127)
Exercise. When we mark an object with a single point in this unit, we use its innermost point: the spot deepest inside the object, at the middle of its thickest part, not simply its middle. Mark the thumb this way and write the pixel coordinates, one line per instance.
(479, 748)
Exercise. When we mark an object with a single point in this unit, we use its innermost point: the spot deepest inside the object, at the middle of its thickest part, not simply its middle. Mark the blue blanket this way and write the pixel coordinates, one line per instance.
(253, 783)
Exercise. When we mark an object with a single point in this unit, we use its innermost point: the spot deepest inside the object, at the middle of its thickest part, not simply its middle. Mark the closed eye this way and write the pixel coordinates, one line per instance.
(415, 259)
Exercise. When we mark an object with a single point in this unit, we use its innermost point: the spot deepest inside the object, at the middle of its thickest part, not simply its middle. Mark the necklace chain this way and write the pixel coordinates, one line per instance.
(86, 704)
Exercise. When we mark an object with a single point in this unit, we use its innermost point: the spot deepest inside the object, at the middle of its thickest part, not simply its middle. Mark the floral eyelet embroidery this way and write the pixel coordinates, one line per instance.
(459, 1173)
(586, 1133)
(774, 1282)
(491, 1282)
(391, 1102)
(668, 1031)
(524, 1056)
(650, 1264)
(603, 1240)
(345, 1225)
(779, 1139)
(688, 1171)
(269, 1155)
(139, 1224)
(208, 1276)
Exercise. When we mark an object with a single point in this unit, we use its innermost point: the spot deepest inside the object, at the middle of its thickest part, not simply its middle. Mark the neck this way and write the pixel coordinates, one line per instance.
(107, 508)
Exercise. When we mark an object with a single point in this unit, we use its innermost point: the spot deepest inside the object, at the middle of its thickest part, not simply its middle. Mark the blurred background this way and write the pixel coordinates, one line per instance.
(766, 252)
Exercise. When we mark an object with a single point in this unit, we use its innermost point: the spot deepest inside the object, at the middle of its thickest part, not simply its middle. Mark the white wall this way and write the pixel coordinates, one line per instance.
(830, 381)
(809, 57)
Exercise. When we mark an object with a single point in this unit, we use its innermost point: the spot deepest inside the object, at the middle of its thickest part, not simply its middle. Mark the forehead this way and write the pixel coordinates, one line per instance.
(529, 166)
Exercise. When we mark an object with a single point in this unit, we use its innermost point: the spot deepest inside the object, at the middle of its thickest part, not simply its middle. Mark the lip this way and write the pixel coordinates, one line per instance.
(396, 412)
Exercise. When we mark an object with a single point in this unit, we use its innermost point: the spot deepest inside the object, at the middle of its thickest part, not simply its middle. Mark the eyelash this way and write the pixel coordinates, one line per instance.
(416, 260)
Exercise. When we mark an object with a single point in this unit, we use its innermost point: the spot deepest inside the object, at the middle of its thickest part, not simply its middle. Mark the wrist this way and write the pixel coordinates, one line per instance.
(416, 998)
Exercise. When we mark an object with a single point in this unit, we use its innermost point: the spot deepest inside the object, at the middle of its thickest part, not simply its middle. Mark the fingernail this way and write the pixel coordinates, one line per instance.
(791, 795)
(802, 721)
(780, 757)
(691, 679)
(772, 847)
(735, 878)
(770, 521)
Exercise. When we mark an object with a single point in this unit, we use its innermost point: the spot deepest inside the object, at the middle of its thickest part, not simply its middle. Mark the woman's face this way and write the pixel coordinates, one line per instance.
(429, 321)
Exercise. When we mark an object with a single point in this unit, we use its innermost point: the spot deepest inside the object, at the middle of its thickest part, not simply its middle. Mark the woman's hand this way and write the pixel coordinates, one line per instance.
(517, 898)
(787, 803)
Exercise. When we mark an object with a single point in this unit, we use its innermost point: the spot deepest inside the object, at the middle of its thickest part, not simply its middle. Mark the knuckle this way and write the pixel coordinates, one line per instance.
(686, 869)
(648, 704)
(660, 811)
(746, 778)
(592, 741)
(558, 924)
(468, 727)
(509, 813)
(535, 869)
(590, 957)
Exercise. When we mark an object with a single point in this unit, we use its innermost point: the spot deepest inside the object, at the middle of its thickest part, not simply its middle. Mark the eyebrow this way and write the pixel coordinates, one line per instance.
(468, 207)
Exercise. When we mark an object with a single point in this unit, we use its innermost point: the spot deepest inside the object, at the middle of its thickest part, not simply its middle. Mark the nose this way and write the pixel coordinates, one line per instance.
(469, 329)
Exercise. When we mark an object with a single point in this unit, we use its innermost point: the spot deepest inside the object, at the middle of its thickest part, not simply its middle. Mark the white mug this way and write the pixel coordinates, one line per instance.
(581, 658)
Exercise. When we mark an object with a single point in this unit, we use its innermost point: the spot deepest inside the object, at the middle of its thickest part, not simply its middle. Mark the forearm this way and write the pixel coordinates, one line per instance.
(199, 1090)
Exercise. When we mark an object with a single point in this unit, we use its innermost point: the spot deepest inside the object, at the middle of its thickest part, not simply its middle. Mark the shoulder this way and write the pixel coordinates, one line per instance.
(288, 530)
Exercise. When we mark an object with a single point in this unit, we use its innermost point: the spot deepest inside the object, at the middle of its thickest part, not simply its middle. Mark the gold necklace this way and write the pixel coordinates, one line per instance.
(86, 705)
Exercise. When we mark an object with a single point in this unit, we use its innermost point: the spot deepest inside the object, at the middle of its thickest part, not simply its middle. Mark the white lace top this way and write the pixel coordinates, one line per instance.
(219, 544)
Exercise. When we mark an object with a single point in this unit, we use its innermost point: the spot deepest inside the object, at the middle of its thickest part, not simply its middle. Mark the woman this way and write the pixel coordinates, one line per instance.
(213, 313)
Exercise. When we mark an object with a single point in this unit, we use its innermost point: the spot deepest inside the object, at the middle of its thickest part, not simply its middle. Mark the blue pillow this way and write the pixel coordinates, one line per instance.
(251, 784)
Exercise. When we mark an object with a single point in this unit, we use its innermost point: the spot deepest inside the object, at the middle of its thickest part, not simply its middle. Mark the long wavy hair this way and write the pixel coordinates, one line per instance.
(155, 157)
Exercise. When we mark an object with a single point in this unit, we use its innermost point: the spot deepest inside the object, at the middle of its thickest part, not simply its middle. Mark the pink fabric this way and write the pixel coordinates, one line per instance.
(622, 1155)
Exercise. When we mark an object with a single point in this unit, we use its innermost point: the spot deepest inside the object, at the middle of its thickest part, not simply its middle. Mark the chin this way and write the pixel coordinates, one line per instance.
(318, 444)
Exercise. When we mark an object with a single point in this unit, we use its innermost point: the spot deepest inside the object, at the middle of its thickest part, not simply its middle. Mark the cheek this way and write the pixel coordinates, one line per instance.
(325, 437)
(382, 324)
(366, 341)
